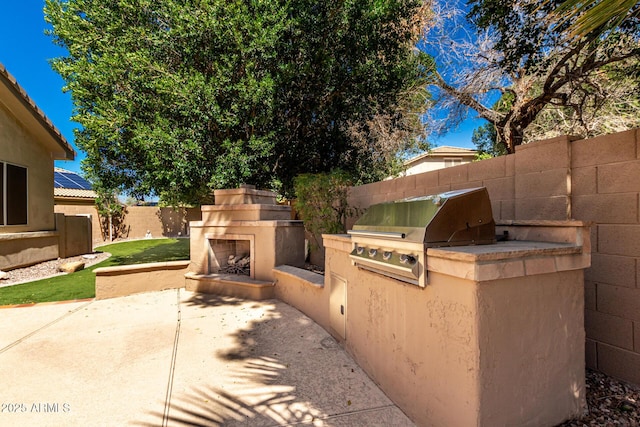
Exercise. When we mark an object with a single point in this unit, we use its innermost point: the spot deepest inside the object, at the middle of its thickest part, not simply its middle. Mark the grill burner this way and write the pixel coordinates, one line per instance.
(391, 238)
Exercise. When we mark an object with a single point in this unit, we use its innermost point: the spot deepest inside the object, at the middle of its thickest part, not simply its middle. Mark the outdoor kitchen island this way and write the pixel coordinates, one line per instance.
(495, 337)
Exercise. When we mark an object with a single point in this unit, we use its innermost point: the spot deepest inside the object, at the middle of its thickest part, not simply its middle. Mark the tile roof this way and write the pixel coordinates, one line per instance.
(74, 193)
(443, 151)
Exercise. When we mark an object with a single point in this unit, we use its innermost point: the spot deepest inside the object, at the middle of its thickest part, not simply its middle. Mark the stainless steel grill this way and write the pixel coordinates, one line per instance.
(392, 238)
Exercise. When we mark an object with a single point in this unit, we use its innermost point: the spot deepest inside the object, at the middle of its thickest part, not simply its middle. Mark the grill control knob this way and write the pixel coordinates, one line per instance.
(407, 259)
(373, 252)
(386, 256)
(359, 250)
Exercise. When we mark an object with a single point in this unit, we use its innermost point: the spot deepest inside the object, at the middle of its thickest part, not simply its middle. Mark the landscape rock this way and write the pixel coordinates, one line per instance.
(4, 275)
(71, 267)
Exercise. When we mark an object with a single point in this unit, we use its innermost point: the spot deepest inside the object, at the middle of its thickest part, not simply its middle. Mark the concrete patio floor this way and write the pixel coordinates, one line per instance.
(180, 358)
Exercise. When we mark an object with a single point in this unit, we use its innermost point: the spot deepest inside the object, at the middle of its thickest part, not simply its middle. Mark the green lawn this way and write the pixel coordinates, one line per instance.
(81, 284)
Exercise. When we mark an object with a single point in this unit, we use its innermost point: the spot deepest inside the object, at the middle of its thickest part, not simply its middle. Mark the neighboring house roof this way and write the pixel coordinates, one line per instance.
(443, 151)
(16, 100)
(68, 184)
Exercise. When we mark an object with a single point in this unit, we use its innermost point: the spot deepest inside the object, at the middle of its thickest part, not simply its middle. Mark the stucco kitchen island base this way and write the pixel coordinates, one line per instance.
(495, 339)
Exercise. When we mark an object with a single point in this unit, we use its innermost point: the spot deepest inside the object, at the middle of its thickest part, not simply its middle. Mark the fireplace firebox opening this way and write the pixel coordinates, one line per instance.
(231, 254)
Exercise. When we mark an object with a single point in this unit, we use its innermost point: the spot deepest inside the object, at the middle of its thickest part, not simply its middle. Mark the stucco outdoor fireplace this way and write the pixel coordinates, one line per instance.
(240, 240)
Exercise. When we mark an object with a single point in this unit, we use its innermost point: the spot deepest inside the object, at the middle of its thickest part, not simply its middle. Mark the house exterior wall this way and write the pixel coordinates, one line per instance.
(20, 147)
(29, 143)
(434, 163)
(596, 180)
(439, 158)
(23, 249)
(39, 239)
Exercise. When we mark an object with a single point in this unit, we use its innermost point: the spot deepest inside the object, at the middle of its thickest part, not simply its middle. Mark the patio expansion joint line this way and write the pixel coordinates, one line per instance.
(340, 415)
(68, 313)
(172, 368)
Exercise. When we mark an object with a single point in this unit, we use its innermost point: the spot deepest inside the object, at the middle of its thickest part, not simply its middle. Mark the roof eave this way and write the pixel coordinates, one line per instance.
(57, 144)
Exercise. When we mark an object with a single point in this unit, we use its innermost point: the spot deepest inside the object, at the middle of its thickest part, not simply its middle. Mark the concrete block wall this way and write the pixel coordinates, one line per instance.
(606, 190)
(595, 180)
(161, 222)
(497, 174)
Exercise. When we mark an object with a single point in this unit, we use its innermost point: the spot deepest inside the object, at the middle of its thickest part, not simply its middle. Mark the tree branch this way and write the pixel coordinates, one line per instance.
(468, 100)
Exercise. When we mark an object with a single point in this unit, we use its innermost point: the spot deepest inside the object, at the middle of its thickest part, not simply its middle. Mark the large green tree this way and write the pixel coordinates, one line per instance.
(178, 97)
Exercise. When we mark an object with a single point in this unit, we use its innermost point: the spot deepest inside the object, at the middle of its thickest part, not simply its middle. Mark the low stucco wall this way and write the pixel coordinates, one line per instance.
(23, 249)
(125, 280)
(71, 237)
(304, 290)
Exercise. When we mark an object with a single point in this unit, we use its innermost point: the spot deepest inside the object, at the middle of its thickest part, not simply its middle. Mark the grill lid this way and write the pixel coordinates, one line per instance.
(454, 218)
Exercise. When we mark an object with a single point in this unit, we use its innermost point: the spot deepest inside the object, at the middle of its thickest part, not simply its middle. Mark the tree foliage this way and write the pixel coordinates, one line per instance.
(111, 214)
(485, 139)
(176, 98)
(613, 106)
(510, 50)
(322, 202)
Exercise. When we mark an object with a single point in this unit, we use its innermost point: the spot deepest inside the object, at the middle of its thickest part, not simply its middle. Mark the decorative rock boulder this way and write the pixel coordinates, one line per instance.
(71, 267)
(4, 275)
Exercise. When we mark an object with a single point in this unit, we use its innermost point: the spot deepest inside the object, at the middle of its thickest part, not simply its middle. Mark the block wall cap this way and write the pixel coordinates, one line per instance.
(535, 144)
(545, 223)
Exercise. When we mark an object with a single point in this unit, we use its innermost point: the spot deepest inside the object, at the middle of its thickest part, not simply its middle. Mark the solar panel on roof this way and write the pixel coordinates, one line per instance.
(70, 180)
(78, 181)
(64, 182)
(61, 181)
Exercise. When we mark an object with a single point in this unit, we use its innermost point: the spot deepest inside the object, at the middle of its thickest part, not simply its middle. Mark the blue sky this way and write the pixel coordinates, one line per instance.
(25, 51)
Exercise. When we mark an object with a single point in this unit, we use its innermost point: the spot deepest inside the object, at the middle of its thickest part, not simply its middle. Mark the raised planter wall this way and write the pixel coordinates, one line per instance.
(125, 280)
(70, 237)
(23, 249)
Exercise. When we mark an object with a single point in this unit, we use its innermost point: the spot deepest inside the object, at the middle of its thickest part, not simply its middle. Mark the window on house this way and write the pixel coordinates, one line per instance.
(13, 194)
(452, 161)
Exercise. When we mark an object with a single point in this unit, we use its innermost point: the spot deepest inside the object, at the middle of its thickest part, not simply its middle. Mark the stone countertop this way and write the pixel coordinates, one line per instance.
(502, 260)
(504, 250)
(505, 260)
